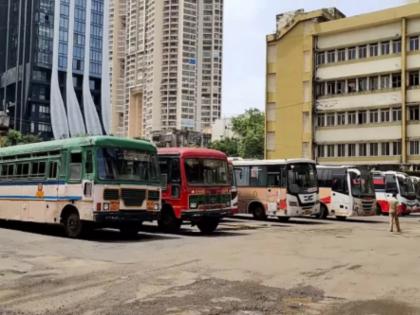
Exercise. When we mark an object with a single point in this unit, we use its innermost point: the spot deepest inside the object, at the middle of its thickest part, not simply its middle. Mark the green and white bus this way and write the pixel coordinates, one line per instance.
(84, 182)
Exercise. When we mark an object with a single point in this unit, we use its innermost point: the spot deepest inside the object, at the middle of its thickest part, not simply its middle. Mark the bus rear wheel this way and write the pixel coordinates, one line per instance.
(208, 225)
(73, 226)
(168, 222)
(259, 213)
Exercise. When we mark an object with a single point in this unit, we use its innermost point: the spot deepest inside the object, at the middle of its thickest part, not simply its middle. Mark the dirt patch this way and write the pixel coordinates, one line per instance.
(217, 297)
(373, 307)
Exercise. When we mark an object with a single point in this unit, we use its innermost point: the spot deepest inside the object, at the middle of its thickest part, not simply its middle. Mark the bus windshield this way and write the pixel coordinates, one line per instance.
(200, 171)
(301, 178)
(361, 185)
(127, 165)
(406, 186)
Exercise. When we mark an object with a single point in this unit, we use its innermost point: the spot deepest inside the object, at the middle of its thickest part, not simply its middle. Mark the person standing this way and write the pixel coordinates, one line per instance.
(393, 213)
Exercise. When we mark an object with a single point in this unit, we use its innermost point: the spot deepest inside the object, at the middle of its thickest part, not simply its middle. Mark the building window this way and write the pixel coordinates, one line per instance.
(352, 53)
(396, 114)
(331, 56)
(385, 149)
(330, 120)
(414, 43)
(374, 116)
(331, 88)
(320, 89)
(373, 49)
(396, 148)
(385, 115)
(396, 46)
(362, 84)
(413, 113)
(362, 149)
(351, 85)
(351, 118)
(341, 54)
(320, 58)
(413, 78)
(373, 148)
(396, 80)
(321, 152)
(384, 81)
(414, 147)
(330, 150)
(341, 118)
(362, 51)
(385, 48)
(362, 117)
(341, 85)
(352, 149)
(321, 120)
(341, 150)
(373, 83)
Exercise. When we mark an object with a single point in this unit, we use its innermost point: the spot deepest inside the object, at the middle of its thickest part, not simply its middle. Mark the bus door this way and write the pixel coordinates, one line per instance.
(241, 174)
(276, 186)
(340, 200)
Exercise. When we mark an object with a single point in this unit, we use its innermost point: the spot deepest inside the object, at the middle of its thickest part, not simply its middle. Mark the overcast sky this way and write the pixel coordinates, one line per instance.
(247, 22)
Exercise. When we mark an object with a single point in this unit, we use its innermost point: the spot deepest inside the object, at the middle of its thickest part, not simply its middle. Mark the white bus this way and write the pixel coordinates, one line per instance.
(345, 192)
(391, 182)
(81, 182)
(277, 188)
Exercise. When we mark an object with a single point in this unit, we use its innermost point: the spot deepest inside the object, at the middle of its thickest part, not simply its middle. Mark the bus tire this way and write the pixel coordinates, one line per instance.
(208, 225)
(73, 226)
(283, 219)
(379, 210)
(258, 211)
(341, 218)
(168, 222)
(323, 212)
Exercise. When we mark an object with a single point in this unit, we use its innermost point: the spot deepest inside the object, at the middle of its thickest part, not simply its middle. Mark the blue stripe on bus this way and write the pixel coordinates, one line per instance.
(49, 198)
(33, 182)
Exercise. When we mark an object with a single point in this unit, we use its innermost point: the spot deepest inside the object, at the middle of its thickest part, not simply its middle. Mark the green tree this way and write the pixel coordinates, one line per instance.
(230, 146)
(250, 130)
(14, 137)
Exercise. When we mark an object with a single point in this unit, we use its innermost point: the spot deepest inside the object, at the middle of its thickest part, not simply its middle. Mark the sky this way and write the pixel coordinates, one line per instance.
(246, 23)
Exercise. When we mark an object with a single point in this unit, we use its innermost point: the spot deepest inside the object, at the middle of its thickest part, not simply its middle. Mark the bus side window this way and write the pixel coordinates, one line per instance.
(89, 162)
(339, 183)
(4, 171)
(75, 166)
(10, 170)
(242, 176)
(53, 170)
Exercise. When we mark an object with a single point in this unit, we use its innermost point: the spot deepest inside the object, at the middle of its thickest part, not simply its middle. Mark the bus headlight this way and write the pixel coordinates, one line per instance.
(106, 206)
(193, 205)
(156, 207)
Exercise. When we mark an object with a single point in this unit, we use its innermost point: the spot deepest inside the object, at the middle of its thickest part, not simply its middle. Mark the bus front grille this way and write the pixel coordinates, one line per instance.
(111, 194)
(133, 197)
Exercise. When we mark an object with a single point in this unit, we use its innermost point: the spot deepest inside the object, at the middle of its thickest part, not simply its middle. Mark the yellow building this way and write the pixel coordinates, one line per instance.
(345, 89)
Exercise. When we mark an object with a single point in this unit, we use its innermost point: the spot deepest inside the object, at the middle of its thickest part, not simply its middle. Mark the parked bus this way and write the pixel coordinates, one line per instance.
(196, 189)
(389, 183)
(345, 192)
(416, 182)
(277, 188)
(101, 181)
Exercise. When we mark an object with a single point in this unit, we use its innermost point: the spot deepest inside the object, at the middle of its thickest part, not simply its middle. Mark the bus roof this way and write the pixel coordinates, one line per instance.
(192, 152)
(102, 141)
(272, 162)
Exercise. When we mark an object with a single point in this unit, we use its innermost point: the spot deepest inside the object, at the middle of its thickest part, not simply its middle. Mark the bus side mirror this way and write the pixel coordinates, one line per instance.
(164, 181)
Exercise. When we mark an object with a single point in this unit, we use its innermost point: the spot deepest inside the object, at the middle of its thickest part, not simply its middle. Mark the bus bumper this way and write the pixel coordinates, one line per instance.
(110, 218)
(191, 215)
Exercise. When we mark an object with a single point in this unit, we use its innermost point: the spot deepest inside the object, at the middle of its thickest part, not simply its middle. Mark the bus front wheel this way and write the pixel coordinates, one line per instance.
(168, 222)
(208, 225)
(73, 226)
(323, 212)
(259, 213)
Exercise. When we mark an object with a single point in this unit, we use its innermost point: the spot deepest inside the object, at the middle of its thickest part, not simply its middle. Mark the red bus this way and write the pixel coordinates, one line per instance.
(196, 188)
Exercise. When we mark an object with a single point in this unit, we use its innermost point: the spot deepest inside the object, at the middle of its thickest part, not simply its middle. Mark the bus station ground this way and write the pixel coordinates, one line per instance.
(248, 267)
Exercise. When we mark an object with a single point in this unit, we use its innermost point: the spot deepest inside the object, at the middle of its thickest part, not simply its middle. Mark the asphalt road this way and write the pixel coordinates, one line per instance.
(248, 267)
